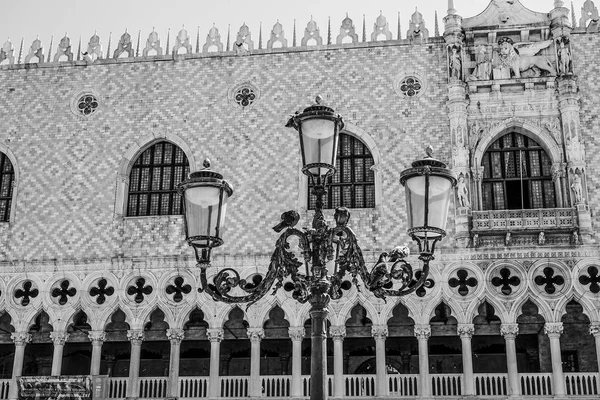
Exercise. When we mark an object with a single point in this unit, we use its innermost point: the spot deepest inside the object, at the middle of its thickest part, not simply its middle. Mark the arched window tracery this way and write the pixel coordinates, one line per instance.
(7, 176)
(153, 181)
(353, 184)
(517, 174)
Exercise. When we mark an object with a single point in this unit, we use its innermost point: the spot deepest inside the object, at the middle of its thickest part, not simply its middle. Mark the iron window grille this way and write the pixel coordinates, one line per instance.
(153, 181)
(353, 184)
(7, 176)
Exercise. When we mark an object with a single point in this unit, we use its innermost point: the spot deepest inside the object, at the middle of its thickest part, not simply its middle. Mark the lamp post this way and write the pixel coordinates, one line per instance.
(328, 253)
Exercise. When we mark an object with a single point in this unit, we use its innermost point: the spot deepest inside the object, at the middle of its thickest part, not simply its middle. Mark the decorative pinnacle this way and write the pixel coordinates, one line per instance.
(206, 163)
(319, 99)
(429, 151)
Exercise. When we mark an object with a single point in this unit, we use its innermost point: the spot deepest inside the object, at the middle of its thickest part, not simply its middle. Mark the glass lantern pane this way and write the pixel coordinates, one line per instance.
(318, 139)
(202, 211)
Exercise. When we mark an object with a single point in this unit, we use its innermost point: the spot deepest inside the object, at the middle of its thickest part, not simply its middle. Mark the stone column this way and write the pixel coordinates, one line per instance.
(136, 337)
(297, 334)
(97, 338)
(423, 332)
(380, 332)
(558, 175)
(466, 331)
(510, 332)
(59, 339)
(554, 330)
(216, 337)
(255, 335)
(338, 333)
(20, 339)
(175, 336)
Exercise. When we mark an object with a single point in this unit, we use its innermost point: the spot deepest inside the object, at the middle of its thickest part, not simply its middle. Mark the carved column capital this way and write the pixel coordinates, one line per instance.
(20, 338)
(136, 337)
(97, 337)
(215, 335)
(59, 338)
(379, 332)
(337, 333)
(296, 333)
(553, 329)
(509, 331)
(256, 334)
(422, 332)
(595, 329)
(465, 331)
(175, 336)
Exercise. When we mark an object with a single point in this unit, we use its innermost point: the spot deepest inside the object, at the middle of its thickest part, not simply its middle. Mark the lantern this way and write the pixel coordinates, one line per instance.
(205, 196)
(318, 128)
(428, 187)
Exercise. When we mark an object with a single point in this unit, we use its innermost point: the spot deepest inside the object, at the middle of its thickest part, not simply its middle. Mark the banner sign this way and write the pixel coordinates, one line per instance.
(55, 387)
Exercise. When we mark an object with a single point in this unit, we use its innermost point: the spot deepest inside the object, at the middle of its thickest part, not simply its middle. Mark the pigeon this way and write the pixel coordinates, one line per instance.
(289, 219)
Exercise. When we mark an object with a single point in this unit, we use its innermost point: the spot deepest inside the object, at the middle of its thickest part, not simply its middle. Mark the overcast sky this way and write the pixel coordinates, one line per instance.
(80, 18)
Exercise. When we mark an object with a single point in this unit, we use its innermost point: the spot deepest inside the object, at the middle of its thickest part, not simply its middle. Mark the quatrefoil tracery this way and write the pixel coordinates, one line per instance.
(102, 291)
(592, 279)
(463, 282)
(139, 290)
(63, 292)
(178, 289)
(549, 280)
(428, 284)
(505, 281)
(27, 293)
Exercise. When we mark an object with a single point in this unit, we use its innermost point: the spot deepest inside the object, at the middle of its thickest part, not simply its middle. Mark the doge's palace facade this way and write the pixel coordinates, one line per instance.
(96, 279)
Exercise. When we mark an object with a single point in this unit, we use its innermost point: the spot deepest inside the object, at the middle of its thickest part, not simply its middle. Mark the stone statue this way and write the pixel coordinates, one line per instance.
(483, 68)
(463, 192)
(520, 57)
(542, 239)
(564, 56)
(455, 64)
(577, 188)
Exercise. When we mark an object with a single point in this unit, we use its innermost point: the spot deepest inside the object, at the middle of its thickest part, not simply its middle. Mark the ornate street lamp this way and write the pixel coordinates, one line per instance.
(328, 253)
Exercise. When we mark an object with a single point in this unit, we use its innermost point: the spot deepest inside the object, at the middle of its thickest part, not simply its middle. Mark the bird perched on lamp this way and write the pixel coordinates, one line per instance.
(289, 219)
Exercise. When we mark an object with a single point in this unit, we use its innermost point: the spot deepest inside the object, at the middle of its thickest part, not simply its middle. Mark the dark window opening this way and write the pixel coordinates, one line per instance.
(353, 184)
(7, 176)
(517, 175)
(153, 181)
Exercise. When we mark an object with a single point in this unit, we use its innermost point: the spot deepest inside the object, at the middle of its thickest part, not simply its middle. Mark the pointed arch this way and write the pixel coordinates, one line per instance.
(543, 308)
(131, 155)
(472, 311)
(589, 308)
(9, 168)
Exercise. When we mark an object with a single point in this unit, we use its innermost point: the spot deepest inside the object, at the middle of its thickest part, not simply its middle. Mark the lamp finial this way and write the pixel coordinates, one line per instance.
(319, 99)
(206, 163)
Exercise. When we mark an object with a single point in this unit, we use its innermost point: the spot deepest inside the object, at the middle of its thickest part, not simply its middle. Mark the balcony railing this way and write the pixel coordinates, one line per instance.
(580, 385)
(538, 220)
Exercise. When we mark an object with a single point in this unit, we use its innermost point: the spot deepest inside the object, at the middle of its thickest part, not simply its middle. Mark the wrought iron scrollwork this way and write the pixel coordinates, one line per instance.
(391, 275)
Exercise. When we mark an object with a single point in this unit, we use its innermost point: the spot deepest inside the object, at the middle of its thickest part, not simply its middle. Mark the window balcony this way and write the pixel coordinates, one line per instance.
(524, 221)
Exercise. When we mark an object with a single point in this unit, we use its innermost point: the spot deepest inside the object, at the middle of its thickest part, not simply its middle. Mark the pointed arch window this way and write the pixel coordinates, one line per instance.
(7, 176)
(153, 180)
(353, 184)
(517, 175)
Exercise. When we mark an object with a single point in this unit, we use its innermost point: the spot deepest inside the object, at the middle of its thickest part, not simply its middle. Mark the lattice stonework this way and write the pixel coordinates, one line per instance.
(153, 180)
(353, 184)
(7, 176)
